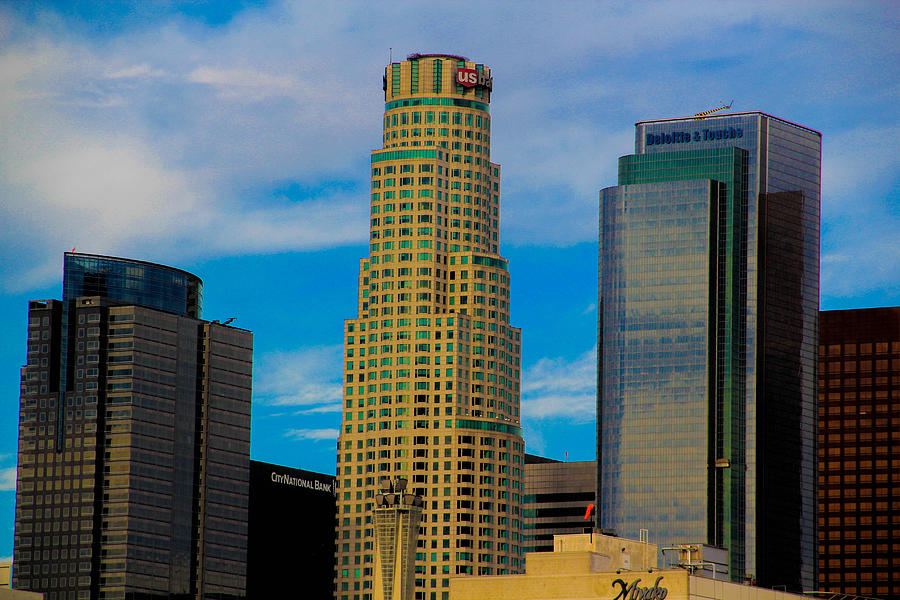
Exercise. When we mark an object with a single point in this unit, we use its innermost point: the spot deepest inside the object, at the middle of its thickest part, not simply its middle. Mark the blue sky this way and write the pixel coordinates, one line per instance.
(232, 140)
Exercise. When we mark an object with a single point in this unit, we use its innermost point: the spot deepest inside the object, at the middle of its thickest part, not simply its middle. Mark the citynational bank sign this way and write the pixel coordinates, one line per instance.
(312, 484)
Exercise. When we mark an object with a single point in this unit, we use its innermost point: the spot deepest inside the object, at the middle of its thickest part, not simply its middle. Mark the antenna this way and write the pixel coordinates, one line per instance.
(701, 115)
(391, 56)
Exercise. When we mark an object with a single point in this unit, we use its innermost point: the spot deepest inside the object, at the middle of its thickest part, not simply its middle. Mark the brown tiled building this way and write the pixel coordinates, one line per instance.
(859, 452)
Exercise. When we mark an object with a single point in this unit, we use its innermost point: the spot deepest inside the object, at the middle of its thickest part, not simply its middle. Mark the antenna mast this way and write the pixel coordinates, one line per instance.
(701, 115)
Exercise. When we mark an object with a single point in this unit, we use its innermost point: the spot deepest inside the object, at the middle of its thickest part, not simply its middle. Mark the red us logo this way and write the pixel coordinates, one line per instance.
(467, 77)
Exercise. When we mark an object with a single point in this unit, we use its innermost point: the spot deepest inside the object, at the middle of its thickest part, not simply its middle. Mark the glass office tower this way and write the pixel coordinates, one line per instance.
(134, 454)
(431, 362)
(709, 265)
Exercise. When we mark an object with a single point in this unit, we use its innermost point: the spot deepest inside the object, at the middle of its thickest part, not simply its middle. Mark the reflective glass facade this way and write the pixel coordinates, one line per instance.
(558, 494)
(134, 456)
(756, 427)
(132, 282)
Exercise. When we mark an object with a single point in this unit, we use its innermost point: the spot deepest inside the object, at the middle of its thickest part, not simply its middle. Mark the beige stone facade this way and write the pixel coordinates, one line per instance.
(591, 568)
(8, 594)
(431, 369)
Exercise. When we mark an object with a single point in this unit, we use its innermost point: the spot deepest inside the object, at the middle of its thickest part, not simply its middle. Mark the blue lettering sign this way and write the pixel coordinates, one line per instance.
(704, 135)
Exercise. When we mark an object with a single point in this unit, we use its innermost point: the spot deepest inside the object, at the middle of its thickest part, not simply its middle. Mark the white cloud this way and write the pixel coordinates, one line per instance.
(135, 71)
(325, 408)
(308, 377)
(858, 158)
(8, 479)
(244, 85)
(561, 388)
(864, 264)
(315, 435)
(168, 141)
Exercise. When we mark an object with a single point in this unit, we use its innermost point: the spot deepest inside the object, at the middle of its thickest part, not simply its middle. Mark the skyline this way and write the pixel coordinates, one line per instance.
(259, 166)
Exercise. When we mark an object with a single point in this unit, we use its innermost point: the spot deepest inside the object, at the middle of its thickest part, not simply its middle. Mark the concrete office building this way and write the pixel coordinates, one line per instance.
(709, 278)
(134, 435)
(290, 540)
(556, 501)
(859, 452)
(432, 364)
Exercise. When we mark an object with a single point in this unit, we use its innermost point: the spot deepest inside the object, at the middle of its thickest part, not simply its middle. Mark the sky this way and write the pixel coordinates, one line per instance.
(232, 140)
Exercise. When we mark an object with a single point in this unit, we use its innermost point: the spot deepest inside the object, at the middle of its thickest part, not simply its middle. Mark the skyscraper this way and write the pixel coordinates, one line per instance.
(432, 364)
(709, 264)
(134, 438)
(859, 452)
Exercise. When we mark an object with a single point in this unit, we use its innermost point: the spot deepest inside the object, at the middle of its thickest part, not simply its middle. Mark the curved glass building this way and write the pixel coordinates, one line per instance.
(132, 281)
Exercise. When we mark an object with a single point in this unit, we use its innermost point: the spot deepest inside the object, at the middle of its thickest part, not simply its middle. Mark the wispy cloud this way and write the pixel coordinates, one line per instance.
(315, 435)
(135, 71)
(8, 479)
(327, 408)
(308, 377)
(244, 85)
(561, 388)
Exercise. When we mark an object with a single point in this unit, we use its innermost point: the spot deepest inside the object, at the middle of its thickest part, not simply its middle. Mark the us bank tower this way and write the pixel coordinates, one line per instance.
(431, 372)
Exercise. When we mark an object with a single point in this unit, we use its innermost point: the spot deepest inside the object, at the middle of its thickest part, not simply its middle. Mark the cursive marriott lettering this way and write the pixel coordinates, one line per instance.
(631, 591)
(304, 483)
(701, 135)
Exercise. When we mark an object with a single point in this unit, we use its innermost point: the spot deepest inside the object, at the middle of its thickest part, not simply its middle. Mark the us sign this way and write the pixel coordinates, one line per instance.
(467, 77)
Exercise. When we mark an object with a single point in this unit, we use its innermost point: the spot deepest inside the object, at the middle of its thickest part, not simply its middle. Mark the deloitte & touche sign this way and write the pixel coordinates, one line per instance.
(312, 484)
(700, 135)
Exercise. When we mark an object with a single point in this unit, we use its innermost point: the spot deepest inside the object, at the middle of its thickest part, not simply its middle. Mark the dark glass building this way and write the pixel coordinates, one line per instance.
(133, 454)
(291, 533)
(709, 263)
(133, 282)
(859, 452)
(556, 500)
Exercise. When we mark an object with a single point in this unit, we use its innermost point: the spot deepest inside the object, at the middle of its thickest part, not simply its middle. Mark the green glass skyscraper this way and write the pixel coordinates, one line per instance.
(709, 269)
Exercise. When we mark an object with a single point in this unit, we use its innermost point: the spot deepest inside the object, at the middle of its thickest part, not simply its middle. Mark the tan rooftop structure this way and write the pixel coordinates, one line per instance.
(594, 566)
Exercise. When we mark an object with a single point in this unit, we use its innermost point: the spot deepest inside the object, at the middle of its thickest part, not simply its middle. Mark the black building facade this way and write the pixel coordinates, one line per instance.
(291, 533)
(557, 499)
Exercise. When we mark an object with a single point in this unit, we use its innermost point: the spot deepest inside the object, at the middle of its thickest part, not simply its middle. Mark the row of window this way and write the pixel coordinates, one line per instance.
(864, 348)
(444, 117)
(453, 210)
(431, 132)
